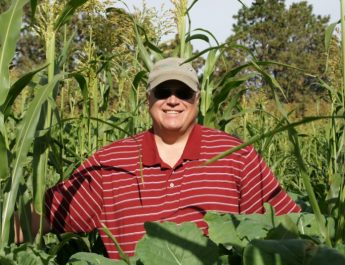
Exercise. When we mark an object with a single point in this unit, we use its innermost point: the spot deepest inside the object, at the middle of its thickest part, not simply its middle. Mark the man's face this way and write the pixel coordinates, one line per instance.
(173, 107)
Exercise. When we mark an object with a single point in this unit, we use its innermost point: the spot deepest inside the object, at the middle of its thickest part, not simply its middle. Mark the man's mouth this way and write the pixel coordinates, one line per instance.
(172, 111)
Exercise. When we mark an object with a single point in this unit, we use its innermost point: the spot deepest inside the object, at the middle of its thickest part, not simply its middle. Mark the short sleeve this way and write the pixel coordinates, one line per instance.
(259, 185)
(75, 205)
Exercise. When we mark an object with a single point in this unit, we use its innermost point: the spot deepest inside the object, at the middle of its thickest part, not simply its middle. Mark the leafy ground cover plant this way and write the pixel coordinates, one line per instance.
(233, 239)
(255, 239)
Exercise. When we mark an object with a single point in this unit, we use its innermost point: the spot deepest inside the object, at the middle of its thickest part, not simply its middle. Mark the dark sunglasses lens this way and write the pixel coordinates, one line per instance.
(161, 93)
(183, 93)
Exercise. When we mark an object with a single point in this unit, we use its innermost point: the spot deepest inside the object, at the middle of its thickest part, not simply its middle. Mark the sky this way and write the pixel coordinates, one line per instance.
(212, 15)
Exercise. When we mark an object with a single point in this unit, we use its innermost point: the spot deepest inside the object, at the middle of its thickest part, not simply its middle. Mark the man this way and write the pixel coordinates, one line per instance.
(159, 175)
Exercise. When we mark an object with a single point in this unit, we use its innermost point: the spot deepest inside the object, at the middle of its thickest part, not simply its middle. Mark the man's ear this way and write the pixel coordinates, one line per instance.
(147, 97)
(198, 96)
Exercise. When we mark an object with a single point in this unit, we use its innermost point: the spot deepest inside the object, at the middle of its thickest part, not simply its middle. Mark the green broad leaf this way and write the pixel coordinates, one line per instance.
(68, 12)
(153, 47)
(326, 255)
(340, 248)
(24, 213)
(232, 104)
(290, 252)
(223, 93)
(198, 37)
(329, 33)
(40, 161)
(222, 229)
(209, 33)
(6, 261)
(11, 22)
(254, 227)
(144, 54)
(199, 54)
(172, 244)
(139, 77)
(269, 78)
(86, 258)
(82, 84)
(307, 224)
(28, 258)
(237, 229)
(65, 242)
(192, 4)
(25, 137)
(26, 254)
(64, 53)
(282, 252)
(17, 88)
(286, 229)
(33, 4)
(4, 170)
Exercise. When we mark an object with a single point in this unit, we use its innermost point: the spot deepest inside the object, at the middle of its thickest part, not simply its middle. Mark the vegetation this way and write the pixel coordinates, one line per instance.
(84, 91)
(294, 36)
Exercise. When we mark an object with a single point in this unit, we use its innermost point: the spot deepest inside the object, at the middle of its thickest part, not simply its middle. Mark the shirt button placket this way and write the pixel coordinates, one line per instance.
(173, 191)
(170, 182)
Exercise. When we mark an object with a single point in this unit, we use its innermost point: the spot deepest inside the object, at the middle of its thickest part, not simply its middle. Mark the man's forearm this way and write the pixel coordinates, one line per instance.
(35, 225)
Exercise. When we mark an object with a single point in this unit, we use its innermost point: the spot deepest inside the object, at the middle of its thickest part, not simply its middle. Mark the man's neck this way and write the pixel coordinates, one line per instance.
(171, 145)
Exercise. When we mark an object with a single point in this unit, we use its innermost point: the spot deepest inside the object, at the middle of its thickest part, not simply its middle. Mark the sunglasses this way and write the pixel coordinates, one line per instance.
(184, 93)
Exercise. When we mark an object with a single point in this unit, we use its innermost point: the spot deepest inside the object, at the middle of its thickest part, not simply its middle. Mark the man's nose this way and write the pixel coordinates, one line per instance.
(172, 99)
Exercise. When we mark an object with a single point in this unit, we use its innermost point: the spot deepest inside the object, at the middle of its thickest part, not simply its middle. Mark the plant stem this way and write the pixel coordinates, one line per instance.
(340, 232)
(342, 13)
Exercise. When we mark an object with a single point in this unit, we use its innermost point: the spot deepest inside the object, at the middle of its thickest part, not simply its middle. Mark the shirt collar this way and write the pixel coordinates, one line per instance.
(191, 151)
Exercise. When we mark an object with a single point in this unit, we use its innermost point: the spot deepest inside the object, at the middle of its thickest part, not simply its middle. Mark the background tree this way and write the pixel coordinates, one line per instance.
(293, 36)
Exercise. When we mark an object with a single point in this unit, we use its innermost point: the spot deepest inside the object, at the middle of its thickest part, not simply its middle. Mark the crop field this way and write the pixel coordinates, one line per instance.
(73, 77)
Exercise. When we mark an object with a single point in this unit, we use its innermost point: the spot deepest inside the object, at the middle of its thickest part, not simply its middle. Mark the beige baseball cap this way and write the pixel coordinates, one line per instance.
(173, 68)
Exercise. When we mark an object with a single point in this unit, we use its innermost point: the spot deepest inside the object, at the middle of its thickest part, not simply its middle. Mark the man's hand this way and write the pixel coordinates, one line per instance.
(35, 223)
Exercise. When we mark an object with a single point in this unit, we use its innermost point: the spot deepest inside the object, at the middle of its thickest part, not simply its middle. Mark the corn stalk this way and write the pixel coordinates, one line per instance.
(36, 118)
(24, 139)
(340, 233)
(43, 142)
(10, 22)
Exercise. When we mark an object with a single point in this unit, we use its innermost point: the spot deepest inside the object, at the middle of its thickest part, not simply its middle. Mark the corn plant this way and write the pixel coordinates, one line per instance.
(37, 119)
(52, 142)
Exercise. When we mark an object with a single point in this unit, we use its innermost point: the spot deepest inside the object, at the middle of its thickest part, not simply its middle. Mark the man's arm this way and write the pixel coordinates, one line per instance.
(35, 223)
(259, 185)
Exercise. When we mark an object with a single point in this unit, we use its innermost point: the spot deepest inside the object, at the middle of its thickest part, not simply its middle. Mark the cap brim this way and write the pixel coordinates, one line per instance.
(176, 76)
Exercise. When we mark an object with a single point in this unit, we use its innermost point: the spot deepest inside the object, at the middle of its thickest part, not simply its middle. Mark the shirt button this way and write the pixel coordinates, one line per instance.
(172, 185)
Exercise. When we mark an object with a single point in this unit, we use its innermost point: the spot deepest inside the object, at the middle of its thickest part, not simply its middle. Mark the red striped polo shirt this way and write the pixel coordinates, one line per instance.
(126, 184)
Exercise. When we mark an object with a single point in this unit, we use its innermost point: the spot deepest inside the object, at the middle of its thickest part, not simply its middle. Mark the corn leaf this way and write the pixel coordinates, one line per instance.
(25, 136)
(329, 34)
(24, 212)
(197, 37)
(270, 133)
(208, 33)
(33, 4)
(10, 22)
(192, 4)
(68, 12)
(3, 150)
(16, 89)
(40, 161)
(145, 56)
(122, 254)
